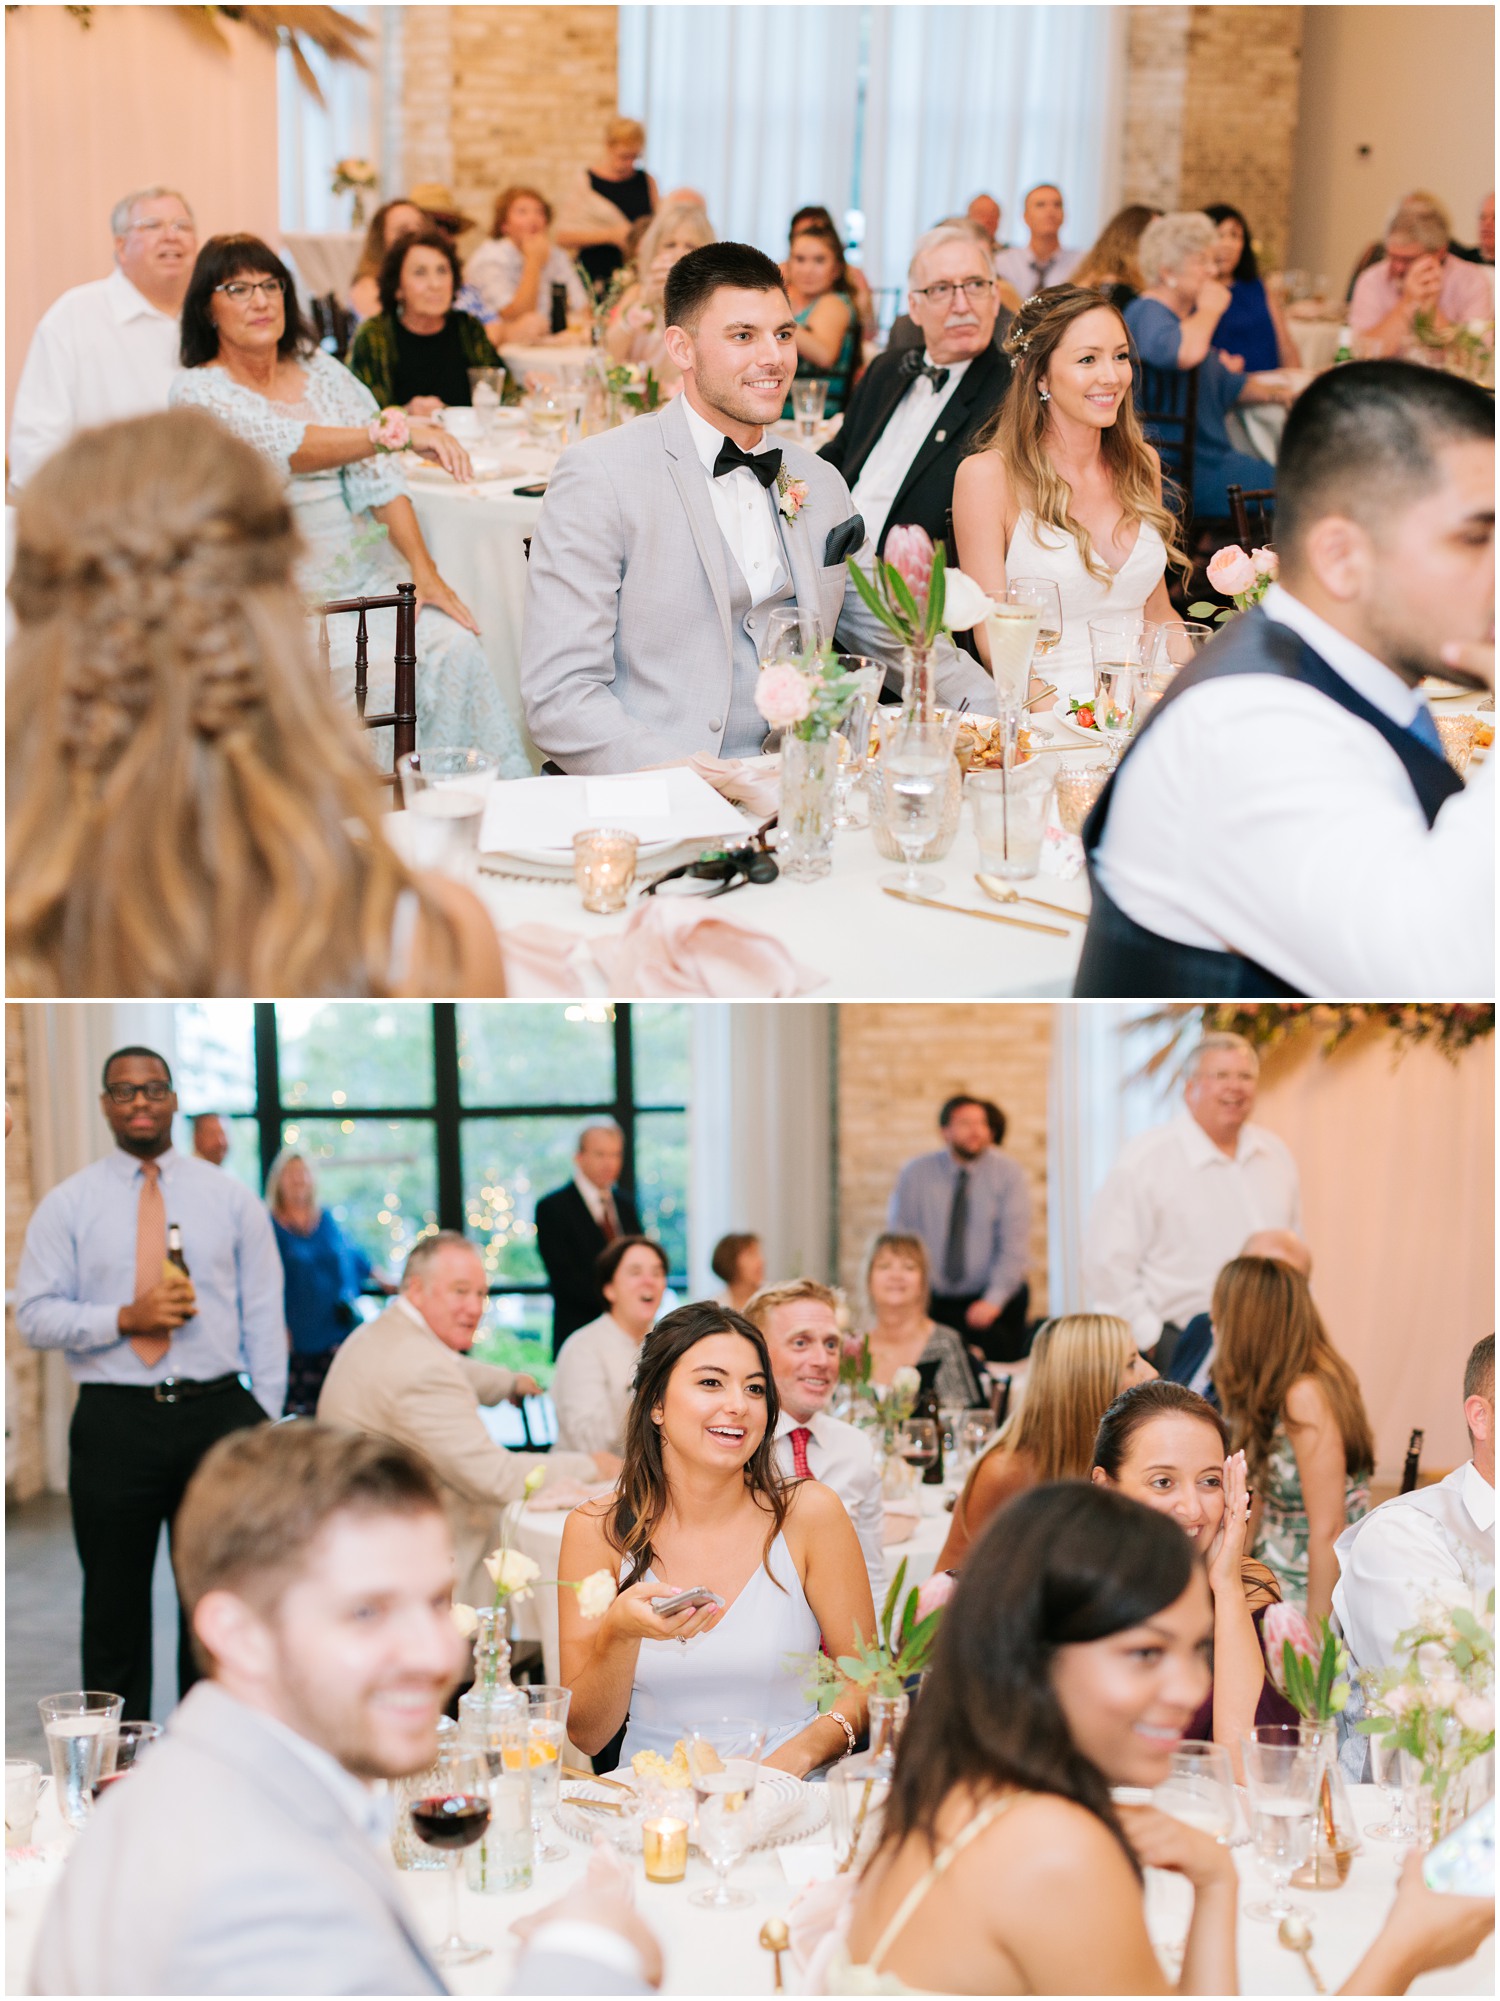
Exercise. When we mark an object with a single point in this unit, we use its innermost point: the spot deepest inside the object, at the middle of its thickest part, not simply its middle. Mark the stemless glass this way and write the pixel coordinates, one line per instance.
(450, 1817)
(1119, 644)
(915, 758)
(445, 790)
(1199, 1788)
(1388, 1769)
(82, 1728)
(1281, 1776)
(549, 1733)
(1043, 593)
(724, 1762)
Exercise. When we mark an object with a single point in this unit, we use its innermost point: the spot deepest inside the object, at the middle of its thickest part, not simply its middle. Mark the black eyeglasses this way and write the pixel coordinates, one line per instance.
(155, 1093)
(241, 288)
(729, 868)
(942, 292)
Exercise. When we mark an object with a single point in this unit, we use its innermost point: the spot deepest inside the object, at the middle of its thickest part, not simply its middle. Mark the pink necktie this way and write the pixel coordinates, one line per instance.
(799, 1439)
(150, 1256)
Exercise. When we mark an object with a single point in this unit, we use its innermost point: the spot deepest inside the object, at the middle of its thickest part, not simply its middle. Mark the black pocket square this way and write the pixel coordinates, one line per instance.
(844, 540)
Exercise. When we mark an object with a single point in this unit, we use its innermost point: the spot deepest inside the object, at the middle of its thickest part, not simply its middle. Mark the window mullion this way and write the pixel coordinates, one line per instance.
(450, 1173)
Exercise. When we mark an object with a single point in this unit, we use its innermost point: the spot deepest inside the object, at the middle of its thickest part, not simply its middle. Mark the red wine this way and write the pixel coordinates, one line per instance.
(450, 1820)
(102, 1785)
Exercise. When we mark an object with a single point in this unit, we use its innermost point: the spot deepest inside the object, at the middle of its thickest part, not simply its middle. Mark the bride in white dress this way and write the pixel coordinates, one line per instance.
(701, 1504)
(1062, 484)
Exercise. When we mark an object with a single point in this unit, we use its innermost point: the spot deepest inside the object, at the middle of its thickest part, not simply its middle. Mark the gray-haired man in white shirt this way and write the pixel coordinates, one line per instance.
(1181, 1200)
(108, 349)
(800, 1323)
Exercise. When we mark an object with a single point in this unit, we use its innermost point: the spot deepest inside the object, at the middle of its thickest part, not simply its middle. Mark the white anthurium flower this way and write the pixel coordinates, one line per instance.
(512, 1573)
(965, 603)
(596, 1594)
(466, 1619)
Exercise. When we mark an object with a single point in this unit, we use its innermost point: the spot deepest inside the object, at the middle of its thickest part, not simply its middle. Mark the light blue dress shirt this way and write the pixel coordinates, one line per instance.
(997, 1238)
(78, 1270)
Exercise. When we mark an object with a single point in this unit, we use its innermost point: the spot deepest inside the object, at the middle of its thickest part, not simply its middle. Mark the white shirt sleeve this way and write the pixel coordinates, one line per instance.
(1117, 1244)
(1398, 1558)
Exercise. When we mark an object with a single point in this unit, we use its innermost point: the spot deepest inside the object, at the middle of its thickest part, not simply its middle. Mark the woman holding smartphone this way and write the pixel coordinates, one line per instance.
(701, 1508)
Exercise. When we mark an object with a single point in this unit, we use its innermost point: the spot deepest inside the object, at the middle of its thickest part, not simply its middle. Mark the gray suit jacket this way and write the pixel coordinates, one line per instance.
(627, 652)
(226, 1866)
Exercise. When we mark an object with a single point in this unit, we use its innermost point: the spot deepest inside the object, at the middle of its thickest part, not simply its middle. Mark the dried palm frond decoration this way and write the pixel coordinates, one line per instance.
(1448, 1027)
(337, 35)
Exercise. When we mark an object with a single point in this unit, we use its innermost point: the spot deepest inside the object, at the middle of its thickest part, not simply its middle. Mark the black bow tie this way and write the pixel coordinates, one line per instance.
(916, 363)
(765, 465)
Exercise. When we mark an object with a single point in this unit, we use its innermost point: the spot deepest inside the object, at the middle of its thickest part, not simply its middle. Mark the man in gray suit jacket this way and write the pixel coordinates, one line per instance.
(249, 1853)
(664, 546)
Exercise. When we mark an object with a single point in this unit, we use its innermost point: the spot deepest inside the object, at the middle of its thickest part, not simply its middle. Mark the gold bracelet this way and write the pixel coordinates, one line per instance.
(837, 1716)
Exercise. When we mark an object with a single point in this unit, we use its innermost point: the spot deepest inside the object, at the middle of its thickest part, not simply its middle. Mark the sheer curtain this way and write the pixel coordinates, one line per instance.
(753, 106)
(313, 136)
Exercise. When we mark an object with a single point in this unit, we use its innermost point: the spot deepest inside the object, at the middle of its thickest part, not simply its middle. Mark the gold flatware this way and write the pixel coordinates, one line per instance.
(595, 1779)
(597, 1806)
(1003, 893)
(1036, 700)
(1296, 1935)
(775, 1937)
(963, 910)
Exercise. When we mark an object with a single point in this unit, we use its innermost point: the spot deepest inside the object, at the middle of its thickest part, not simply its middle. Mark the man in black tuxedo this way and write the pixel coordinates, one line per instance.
(575, 1223)
(915, 413)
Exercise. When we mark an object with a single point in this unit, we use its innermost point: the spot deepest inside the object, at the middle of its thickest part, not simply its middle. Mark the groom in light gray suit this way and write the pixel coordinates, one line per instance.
(664, 547)
(249, 1853)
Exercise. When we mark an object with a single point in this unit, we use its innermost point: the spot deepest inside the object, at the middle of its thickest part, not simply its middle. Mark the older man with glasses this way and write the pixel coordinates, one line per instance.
(157, 1349)
(915, 412)
(108, 349)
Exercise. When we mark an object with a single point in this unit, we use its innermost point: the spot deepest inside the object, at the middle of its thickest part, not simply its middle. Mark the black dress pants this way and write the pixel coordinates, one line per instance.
(1004, 1340)
(129, 1461)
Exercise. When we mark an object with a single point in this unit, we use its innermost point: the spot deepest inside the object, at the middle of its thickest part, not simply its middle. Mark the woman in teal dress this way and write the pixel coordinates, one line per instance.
(1295, 1410)
(247, 361)
(817, 284)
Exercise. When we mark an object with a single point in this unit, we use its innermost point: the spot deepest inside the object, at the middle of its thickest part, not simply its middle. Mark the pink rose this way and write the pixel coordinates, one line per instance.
(1231, 572)
(1285, 1623)
(782, 695)
(1476, 1713)
(909, 551)
(935, 1593)
(1267, 563)
(391, 431)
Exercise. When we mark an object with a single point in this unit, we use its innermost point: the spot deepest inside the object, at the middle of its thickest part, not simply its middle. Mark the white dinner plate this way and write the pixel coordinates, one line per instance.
(562, 858)
(425, 473)
(786, 1809)
(1066, 723)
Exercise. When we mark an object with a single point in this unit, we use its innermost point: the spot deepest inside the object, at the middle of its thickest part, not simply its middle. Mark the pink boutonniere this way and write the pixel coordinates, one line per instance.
(791, 495)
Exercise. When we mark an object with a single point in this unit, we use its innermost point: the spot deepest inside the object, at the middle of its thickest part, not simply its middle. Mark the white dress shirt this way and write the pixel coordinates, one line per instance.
(742, 508)
(101, 352)
(591, 1386)
(598, 1201)
(842, 1458)
(497, 268)
(370, 1811)
(1432, 1542)
(1172, 1213)
(1260, 817)
(904, 435)
(1019, 268)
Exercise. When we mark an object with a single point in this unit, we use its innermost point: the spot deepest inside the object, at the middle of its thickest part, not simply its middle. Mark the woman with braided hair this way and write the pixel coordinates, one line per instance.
(190, 810)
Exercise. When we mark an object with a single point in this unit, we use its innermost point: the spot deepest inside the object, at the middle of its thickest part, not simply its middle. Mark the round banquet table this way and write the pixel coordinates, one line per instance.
(564, 357)
(1316, 341)
(324, 259)
(713, 1952)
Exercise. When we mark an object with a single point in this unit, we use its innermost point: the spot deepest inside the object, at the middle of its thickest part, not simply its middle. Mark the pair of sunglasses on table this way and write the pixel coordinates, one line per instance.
(726, 867)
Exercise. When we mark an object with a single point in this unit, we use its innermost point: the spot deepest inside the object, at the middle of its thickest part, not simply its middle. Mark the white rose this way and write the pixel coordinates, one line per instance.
(1446, 1692)
(511, 1572)
(466, 1619)
(905, 1382)
(596, 1594)
(964, 602)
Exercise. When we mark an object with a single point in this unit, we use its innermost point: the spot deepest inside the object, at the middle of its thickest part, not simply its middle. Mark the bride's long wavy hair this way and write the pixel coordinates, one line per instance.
(190, 811)
(1018, 431)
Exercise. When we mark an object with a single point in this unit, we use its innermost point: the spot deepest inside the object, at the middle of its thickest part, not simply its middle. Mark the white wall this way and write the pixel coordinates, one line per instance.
(1413, 85)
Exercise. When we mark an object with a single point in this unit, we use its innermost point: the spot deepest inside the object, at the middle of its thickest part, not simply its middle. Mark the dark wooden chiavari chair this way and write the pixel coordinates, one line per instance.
(403, 716)
(1253, 512)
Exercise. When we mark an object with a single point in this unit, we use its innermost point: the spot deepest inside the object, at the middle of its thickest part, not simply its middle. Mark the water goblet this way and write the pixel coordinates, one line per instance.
(449, 1817)
(1388, 1769)
(808, 399)
(915, 758)
(549, 1733)
(724, 1763)
(1281, 1776)
(855, 730)
(1119, 644)
(789, 634)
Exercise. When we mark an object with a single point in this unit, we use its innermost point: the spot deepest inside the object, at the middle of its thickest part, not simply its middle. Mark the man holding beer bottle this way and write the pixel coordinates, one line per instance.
(159, 1279)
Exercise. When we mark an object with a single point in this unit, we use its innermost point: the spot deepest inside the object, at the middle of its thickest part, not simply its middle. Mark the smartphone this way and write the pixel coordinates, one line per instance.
(532, 492)
(665, 1607)
(1463, 1862)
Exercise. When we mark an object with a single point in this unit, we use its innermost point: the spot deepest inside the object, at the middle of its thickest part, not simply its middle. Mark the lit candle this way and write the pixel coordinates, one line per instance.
(664, 1843)
(604, 867)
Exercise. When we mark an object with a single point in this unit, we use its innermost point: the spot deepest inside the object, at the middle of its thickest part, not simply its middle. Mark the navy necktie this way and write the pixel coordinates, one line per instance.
(765, 465)
(1424, 729)
(916, 363)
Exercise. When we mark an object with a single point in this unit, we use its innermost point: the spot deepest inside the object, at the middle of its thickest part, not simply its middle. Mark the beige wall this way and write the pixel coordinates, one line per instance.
(896, 1065)
(24, 1457)
(1414, 85)
(90, 113)
(1398, 1183)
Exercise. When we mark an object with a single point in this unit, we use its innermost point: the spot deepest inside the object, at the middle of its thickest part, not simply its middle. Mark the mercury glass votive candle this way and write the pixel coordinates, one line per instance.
(604, 867)
(664, 1844)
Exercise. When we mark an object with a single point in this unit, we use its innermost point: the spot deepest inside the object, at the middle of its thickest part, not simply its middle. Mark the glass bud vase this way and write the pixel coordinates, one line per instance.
(918, 684)
(1335, 1832)
(809, 781)
(887, 1718)
(493, 1718)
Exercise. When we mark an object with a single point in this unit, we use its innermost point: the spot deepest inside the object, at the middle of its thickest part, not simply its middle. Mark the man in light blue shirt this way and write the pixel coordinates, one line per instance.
(157, 1353)
(970, 1205)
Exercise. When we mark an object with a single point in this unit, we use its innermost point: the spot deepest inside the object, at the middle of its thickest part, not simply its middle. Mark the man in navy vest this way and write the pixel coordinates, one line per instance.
(1286, 823)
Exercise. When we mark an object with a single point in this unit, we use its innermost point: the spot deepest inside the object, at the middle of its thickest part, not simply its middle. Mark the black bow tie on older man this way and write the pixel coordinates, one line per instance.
(765, 465)
(915, 363)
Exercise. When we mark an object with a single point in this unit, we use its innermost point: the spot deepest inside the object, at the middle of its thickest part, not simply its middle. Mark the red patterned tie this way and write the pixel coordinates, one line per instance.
(799, 1439)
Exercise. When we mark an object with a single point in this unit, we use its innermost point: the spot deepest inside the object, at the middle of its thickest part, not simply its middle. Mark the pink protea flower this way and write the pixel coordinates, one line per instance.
(1232, 571)
(935, 1593)
(1281, 1624)
(909, 551)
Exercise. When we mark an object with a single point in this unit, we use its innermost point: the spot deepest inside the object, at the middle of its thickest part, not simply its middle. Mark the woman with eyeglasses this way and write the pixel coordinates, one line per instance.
(249, 359)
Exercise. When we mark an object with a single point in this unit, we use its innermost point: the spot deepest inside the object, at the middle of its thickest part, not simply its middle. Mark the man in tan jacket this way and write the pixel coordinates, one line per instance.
(407, 1376)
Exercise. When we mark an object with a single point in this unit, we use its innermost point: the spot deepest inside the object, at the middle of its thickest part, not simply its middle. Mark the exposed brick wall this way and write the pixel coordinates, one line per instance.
(896, 1065)
(1156, 70)
(494, 95)
(23, 1368)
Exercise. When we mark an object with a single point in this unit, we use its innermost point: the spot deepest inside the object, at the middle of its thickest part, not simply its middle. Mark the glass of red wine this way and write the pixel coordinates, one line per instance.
(450, 1817)
(135, 1738)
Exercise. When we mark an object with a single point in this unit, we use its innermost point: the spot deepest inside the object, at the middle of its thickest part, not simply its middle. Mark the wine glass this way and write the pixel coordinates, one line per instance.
(1281, 1776)
(134, 1738)
(1199, 1789)
(917, 1442)
(549, 1732)
(1388, 1769)
(790, 632)
(855, 729)
(973, 1435)
(724, 1763)
(915, 760)
(82, 1730)
(1043, 593)
(450, 1816)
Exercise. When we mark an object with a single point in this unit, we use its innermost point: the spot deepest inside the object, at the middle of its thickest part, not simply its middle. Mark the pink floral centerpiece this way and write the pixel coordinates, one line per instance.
(1235, 575)
(916, 596)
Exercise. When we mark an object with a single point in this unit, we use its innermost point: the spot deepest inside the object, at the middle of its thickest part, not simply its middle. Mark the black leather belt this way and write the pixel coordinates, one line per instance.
(172, 1389)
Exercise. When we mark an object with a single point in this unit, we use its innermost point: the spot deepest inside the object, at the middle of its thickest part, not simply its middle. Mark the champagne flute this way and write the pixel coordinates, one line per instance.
(1012, 631)
(451, 1815)
(915, 760)
(1043, 593)
(1281, 1776)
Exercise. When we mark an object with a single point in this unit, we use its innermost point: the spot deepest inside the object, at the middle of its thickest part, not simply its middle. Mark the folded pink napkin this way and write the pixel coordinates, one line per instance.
(561, 1495)
(671, 946)
(817, 1919)
(751, 782)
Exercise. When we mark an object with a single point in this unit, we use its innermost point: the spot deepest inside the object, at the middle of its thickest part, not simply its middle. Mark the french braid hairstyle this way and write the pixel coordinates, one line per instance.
(190, 811)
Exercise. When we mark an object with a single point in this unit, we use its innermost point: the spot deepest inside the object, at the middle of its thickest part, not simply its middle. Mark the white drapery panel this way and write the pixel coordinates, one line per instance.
(964, 100)
(753, 106)
(313, 136)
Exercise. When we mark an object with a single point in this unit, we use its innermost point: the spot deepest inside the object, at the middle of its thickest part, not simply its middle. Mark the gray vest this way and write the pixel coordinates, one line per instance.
(745, 726)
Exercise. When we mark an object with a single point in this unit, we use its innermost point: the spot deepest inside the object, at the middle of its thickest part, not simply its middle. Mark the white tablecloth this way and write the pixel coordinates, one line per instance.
(325, 259)
(563, 358)
(718, 1952)
(1316, 341)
